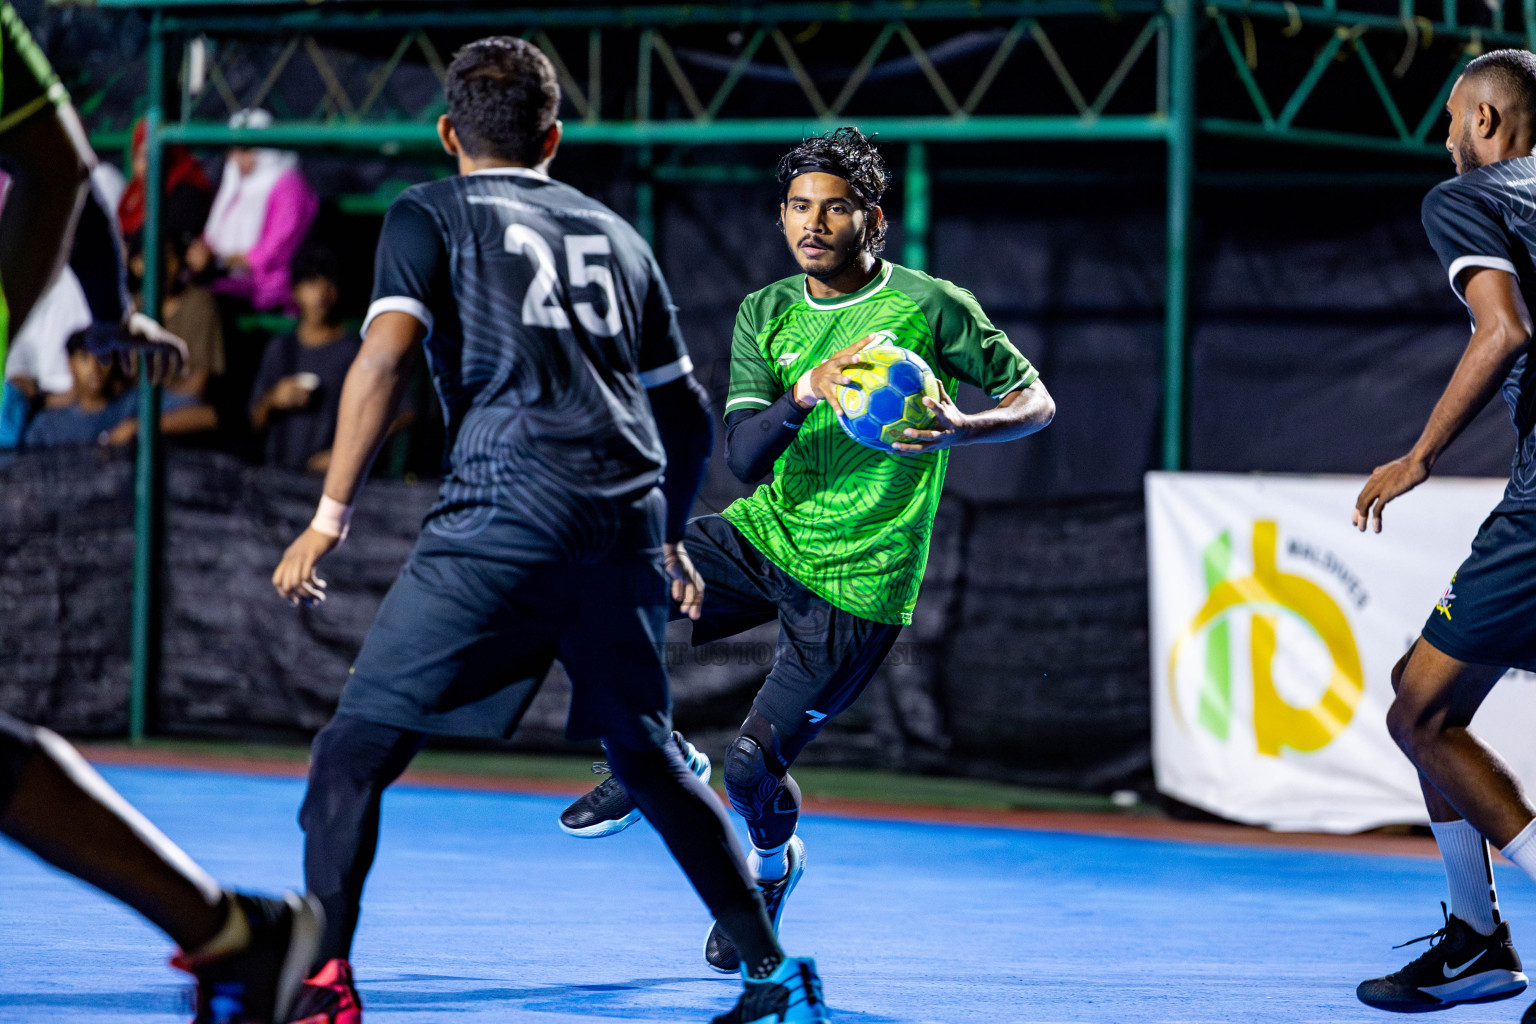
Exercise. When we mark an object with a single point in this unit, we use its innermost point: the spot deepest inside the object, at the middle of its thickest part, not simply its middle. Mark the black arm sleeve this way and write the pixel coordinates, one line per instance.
(754, 440)
(95, 259)
(681, 408)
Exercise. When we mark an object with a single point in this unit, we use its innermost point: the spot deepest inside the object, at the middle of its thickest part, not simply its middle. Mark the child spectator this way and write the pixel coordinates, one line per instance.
(261, 213)
(298, 388)
(103, 410)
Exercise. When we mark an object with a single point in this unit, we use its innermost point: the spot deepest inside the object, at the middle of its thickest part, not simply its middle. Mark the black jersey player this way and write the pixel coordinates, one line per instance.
(566, 390)
(1482, 224)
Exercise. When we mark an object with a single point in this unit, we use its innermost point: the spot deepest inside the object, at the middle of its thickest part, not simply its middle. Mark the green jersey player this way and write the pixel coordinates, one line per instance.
(835, 544)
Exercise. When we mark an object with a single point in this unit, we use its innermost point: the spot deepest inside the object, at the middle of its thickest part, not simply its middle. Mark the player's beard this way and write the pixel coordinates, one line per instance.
(849, 254)
(1466, 156)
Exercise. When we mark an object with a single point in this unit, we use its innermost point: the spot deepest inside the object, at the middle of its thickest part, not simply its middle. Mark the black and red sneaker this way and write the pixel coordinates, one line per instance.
(258, 984)
(330, 997)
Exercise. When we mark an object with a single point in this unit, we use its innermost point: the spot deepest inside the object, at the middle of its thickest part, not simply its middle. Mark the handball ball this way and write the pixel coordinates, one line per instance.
(890, 383)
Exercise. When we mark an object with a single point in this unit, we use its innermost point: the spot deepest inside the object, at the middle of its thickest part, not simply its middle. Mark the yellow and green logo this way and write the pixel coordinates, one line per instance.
(1265, 596)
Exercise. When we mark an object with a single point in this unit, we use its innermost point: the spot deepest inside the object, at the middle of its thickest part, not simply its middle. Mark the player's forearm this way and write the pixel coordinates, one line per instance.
(683, 420)
(755, 440)
(1487, 361)
(369, 396)
(97, 260)
(1019, 414)
(48, 188)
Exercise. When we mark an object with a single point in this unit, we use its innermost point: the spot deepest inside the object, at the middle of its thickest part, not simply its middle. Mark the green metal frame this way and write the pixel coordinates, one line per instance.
(668, 107)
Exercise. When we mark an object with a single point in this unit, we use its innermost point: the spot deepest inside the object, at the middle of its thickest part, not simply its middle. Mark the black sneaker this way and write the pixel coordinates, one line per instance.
(1460, 966)
(608, 808)
(790, 995)
(258, 984)
(719, 951)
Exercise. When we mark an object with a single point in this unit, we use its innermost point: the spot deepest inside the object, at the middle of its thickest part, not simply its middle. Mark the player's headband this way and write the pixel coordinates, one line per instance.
(811, 164)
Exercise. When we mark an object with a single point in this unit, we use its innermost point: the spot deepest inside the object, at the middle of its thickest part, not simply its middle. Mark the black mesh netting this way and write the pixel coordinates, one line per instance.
(1027, 658)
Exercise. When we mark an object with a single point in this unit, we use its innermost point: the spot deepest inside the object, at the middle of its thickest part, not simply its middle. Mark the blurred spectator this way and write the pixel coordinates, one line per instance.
(189, 311)
(298, 388)
(38, 363)
(263, 209)
(104, 409)
(187, 198)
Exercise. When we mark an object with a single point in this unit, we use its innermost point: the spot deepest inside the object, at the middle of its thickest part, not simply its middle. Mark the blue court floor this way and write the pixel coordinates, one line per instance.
(479, 910)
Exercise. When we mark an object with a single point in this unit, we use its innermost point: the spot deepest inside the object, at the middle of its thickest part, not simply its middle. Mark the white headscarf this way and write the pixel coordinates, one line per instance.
(240, 207)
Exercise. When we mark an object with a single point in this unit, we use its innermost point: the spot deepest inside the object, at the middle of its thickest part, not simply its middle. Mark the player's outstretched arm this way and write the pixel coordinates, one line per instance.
(1502, 332)
(369, 397)
(1017, 414)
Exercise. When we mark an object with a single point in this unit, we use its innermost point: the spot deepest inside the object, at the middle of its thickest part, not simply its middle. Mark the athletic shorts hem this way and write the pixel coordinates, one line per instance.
(1451, 649)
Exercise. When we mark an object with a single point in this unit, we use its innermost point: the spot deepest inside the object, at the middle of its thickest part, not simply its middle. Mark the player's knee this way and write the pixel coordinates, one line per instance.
(749, 782)
(1413, 723)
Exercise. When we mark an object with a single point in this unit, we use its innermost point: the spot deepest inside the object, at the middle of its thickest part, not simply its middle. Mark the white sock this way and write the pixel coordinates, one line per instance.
(1468, 874)
(1522, 849)
(231, 938)
(769, 865)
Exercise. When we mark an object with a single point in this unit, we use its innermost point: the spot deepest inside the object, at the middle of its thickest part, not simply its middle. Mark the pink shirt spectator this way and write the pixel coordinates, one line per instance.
(291, 209)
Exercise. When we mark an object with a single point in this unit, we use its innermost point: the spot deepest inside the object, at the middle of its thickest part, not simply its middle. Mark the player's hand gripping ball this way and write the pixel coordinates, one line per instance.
(886, 398)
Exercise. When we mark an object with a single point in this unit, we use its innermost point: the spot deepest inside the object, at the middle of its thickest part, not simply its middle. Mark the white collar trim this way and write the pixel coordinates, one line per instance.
(884, 278)
(521, 172)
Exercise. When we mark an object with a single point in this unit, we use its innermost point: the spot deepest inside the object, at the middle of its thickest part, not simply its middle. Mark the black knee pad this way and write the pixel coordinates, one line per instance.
(18, 744)
(749, 782)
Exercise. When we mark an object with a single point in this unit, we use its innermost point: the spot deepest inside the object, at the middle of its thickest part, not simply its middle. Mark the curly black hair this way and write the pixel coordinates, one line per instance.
(852, 156)
(503, 98)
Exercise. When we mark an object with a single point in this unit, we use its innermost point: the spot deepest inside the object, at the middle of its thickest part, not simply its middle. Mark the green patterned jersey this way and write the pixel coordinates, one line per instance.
(852, 523)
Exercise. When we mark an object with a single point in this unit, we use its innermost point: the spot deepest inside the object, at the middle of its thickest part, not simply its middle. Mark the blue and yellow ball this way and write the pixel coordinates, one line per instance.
(890, 383)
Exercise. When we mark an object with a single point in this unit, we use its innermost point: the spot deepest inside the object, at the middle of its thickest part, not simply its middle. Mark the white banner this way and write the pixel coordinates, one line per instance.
(1275, 626)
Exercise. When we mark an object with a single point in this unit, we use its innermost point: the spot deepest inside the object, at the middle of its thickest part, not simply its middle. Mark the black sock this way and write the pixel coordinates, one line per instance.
(685, 812)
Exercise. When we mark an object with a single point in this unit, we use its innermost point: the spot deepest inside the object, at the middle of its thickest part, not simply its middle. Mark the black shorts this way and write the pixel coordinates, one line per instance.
(825, 656)
(462, 642)
(1487, 615)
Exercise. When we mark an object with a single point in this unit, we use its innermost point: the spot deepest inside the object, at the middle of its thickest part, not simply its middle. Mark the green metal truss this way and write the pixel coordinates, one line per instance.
(657, 76)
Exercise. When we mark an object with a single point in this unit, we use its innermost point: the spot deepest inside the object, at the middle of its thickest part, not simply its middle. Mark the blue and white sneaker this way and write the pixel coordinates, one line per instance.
(607, 809)
(719, 951)
(790, 995)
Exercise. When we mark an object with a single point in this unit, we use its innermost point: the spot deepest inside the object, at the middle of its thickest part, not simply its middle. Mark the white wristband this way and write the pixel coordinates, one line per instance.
(332, 518)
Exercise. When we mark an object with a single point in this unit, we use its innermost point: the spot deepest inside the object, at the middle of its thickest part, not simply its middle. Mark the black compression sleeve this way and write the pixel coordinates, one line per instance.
(687, 434)
(753, 440)
(95, 259)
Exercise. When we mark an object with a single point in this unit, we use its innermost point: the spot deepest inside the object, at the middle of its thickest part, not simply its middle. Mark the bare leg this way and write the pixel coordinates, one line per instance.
(1440, 808)
(65, 812)
(1437, 696)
